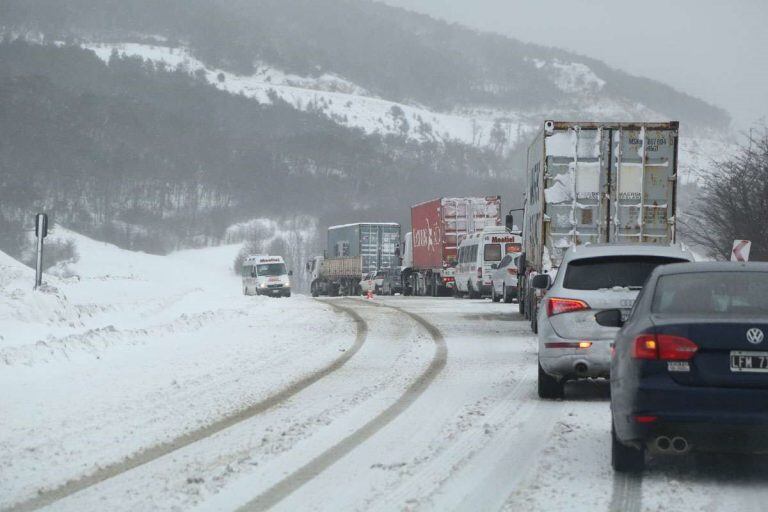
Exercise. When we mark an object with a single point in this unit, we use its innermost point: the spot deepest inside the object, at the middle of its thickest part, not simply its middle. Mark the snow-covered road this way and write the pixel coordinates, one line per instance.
(161, 387)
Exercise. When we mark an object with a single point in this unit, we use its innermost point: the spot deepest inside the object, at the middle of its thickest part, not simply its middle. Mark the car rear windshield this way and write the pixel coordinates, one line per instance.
(611, 271)
(714, 294)
(492, 252)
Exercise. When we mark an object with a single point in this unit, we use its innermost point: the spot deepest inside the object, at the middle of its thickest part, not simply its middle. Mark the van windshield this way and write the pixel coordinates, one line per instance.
(271, 269)
(492, 252)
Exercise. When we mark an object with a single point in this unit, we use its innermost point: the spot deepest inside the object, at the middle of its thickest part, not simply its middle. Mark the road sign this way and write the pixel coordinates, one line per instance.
(740, 251)
(41, 231)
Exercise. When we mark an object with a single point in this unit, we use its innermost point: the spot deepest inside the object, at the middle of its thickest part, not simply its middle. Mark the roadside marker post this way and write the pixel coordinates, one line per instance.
(740, 250)
(41, 231)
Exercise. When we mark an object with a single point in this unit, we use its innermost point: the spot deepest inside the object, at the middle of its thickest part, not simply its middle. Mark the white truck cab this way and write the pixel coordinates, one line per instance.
(266, 275)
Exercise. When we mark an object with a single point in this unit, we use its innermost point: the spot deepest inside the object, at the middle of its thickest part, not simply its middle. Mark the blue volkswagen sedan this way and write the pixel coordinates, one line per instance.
(689, 370)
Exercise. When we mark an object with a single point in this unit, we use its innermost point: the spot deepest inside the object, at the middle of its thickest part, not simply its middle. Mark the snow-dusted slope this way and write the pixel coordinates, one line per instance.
(353, 106)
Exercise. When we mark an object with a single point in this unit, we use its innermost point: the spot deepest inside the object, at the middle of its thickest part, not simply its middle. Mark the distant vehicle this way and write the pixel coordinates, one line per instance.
(504, 278)
(266, 275)
(437, 228)
(690, 370)
(478, 253)
(353, 250)
(392, 282)
(372, 282)
(572, 345)
(595, 183)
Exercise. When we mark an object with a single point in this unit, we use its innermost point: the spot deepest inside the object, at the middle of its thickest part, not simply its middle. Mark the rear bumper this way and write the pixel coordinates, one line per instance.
(723, 420)
(562, 363)
(274, 292)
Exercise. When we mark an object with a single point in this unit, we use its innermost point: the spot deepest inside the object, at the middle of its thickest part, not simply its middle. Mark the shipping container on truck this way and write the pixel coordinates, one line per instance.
(353, 250)
(595, 182)
(438, 226)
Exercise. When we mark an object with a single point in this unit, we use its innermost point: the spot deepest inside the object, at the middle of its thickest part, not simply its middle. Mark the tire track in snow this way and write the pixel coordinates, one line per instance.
(627, 493)
(297, 479)
(47, 497)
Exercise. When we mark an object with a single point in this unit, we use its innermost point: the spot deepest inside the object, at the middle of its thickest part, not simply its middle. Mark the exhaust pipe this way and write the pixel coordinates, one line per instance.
(581, 368)
(663, 443)
(680, 444)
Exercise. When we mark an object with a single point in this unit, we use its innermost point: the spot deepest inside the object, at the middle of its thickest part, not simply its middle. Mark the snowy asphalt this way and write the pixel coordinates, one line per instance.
(430, 405)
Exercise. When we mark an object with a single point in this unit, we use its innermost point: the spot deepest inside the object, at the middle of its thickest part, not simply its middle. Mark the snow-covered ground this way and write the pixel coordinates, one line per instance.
(132, 350)
(136, 386)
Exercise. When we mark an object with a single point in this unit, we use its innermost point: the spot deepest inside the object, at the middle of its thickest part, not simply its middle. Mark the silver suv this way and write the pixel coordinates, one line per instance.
(592, 278)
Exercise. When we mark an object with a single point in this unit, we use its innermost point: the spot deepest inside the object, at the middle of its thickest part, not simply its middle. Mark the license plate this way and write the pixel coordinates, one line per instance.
(742, 361)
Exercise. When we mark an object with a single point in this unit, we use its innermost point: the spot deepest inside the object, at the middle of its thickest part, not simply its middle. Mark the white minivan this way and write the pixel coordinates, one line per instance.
(266, 275)
(477, 254)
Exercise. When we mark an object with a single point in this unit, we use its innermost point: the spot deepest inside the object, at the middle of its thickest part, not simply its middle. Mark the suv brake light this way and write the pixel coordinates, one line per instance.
(664, 347)
(556, 306)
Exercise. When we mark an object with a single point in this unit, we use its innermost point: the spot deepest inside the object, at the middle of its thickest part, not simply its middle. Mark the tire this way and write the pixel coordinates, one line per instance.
(520, 303)
(625, 459)
(287, 294)
(471, 291)
(535, 318)
(507, 295)
(549, 387)
(245, 291)
(494, 297)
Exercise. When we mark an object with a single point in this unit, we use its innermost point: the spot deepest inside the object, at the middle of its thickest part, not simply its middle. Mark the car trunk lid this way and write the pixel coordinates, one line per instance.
(732, 352)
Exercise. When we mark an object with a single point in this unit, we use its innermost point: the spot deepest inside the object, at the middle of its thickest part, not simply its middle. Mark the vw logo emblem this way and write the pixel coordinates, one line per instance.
(755, 336)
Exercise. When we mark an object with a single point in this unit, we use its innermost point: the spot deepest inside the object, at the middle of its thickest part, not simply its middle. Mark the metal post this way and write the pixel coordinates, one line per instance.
(41, 230)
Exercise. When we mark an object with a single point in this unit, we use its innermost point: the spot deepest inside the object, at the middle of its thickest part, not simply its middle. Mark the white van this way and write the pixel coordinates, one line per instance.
(478, 252)
(266, 275)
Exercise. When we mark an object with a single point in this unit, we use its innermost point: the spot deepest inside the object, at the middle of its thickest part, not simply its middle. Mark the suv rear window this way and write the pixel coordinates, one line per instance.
(611, 271)
(714, 294)
(492, 252)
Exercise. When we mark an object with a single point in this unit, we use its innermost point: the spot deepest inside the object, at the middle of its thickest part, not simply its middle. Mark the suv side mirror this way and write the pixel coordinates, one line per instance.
(290, 272)
(610, 318)
(494, 266)
(541, 281)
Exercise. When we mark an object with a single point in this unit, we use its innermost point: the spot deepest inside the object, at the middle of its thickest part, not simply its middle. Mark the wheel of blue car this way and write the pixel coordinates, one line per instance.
(625, 459)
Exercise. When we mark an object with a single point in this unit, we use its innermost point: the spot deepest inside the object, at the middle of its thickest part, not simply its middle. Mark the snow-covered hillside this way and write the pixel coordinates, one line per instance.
(351, 105)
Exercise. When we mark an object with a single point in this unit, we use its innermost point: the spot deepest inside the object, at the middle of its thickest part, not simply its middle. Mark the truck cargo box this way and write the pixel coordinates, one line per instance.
(440, 224)
(375, 244)
(599, 183)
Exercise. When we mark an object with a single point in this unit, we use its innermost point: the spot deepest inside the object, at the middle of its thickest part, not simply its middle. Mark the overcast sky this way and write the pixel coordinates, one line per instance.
(715, 50)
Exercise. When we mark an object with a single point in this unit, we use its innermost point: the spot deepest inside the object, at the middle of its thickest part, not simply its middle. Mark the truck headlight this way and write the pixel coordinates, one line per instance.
(263, 285)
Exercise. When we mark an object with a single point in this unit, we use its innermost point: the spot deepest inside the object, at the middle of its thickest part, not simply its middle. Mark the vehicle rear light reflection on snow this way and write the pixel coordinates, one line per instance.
(664, 347)
(645, 419)
(556, 306)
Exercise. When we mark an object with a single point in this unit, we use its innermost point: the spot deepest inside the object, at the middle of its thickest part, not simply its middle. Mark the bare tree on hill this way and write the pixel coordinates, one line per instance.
(733, 204)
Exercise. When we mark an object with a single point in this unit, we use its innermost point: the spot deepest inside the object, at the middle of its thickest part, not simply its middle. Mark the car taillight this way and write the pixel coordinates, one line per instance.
(448, 279)
(664, 347)
(556, 306)
(512, 271)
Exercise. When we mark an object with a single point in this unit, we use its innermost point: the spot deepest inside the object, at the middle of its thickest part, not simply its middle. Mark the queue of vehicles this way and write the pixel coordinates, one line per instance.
(599, 274)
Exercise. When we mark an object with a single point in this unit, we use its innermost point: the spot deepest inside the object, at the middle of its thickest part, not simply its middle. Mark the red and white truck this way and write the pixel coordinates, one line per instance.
(437, 228)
